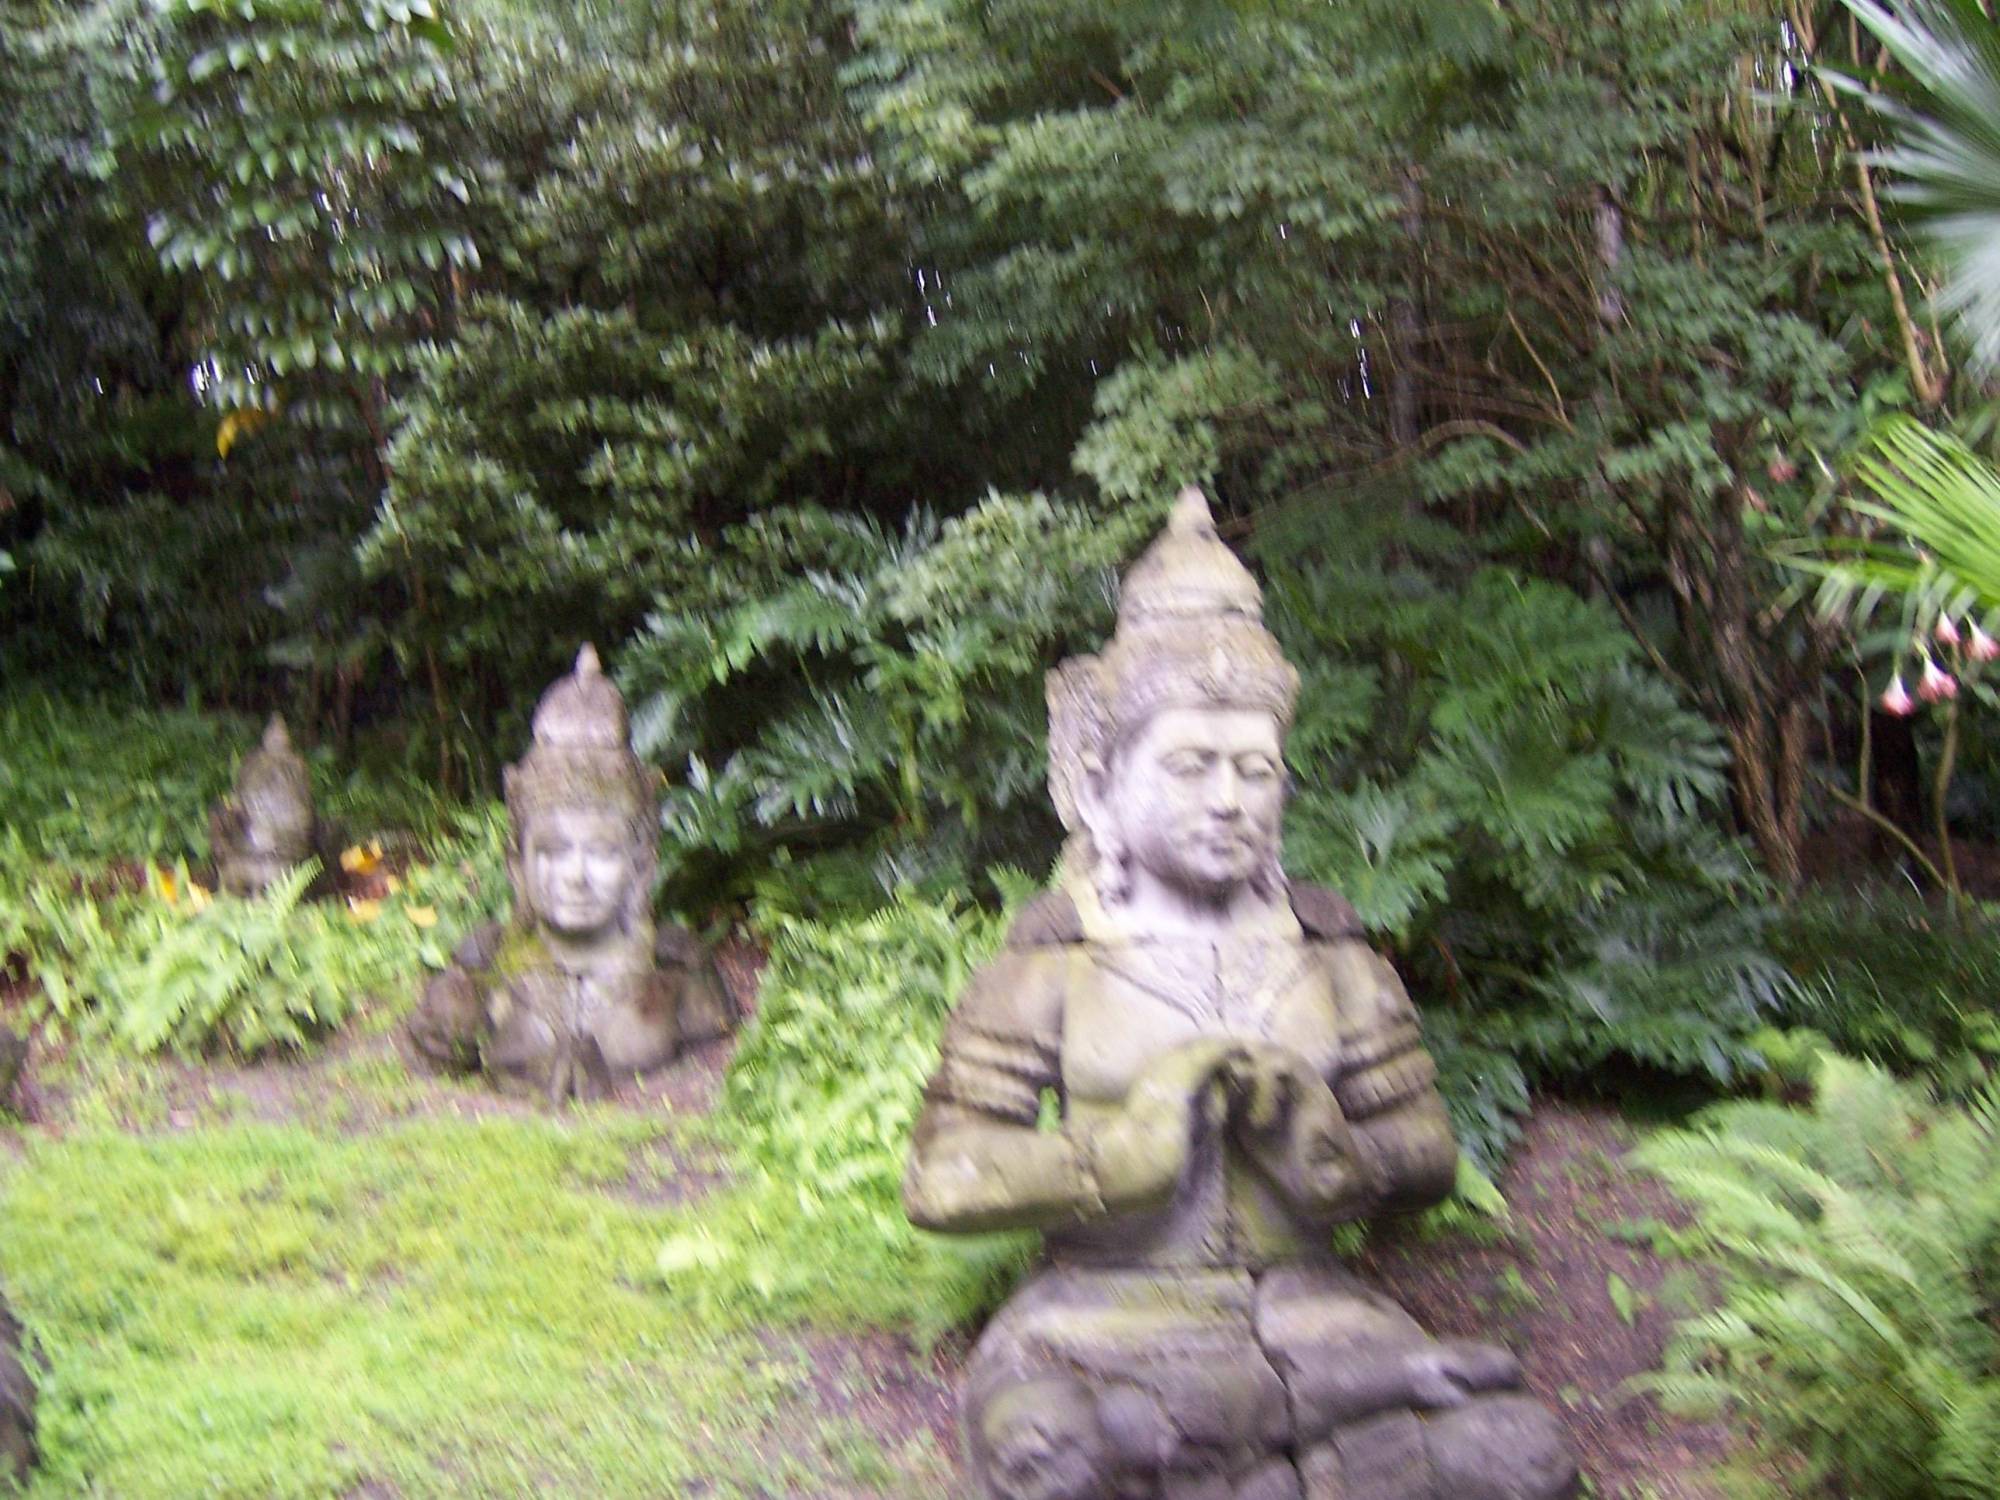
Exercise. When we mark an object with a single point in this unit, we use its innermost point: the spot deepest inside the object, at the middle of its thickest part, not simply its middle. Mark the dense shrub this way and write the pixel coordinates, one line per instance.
(94, 782)
(1859, 1241)
(159, 963)
(1519, 804)
(1904, 982)
(823, 1092)
(867, 710)
(103, 812)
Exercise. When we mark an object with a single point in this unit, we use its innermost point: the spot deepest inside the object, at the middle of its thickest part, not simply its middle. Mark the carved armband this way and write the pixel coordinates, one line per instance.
(990, 1074)
(1385, 1065)
(1386, 1085)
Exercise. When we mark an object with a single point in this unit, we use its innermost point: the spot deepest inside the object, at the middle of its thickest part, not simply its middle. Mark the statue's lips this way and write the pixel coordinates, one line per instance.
(578, 909)
(1231, 846)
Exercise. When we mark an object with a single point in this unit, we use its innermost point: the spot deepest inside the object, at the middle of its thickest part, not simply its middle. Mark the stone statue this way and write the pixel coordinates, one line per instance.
(1234, 1072)
(265, 826)
(578, 990)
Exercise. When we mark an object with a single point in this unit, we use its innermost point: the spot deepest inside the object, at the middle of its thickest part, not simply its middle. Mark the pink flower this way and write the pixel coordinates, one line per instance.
(1897, 700)
(1983, 647)
(1945, 630)
(1936, 684)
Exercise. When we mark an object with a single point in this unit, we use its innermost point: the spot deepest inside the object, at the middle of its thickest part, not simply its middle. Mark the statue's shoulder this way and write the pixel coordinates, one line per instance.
(1018, 993)
(1325, 914)
(1051, 920)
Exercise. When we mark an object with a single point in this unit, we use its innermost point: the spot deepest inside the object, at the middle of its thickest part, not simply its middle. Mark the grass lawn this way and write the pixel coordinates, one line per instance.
(377, 1299)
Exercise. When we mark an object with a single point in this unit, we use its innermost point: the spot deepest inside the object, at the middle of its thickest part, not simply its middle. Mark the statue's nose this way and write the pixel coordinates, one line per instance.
(1225, 791)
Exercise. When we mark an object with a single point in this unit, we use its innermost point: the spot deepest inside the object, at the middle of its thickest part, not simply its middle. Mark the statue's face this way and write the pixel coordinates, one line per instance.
(275, 824)
(579, 867)
(1198, 795)
(1045, 1445)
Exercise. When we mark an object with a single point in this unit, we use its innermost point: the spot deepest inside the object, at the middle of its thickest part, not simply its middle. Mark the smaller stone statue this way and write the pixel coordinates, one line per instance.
(578, 990)
(265, 825)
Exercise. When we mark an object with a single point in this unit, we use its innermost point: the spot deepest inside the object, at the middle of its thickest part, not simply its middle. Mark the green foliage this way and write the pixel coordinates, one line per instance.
(238, 975)
(694, 314)
(89, 784)
(1489, 774)
(292, 156)
(84, 783)
(439, 1307)
(867, 707)
(1940, 503)
(826, 1085)
(166, 965)
(1946, 145)
(1859, 1242)
(1898, 981)
(105, 810)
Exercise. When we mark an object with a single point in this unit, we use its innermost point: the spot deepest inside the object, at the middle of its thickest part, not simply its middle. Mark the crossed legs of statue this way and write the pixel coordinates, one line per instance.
(1299, 1384)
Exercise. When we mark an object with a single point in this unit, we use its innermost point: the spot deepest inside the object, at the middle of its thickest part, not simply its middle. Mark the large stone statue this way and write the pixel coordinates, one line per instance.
(578, 990)
(265, 826)
(1233, 1072)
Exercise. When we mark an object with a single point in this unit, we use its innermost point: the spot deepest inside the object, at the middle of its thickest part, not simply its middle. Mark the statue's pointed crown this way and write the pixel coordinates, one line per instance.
(582, 754)
(1188, 573)
(1190, 635)
(273, 787)
(583, 711)
(274, 765)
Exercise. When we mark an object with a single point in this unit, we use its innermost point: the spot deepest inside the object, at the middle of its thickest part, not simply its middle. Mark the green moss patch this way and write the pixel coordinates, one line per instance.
(447, 1307)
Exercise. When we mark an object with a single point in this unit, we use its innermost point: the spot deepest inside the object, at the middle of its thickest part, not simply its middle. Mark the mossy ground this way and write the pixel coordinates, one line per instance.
(406, 1291)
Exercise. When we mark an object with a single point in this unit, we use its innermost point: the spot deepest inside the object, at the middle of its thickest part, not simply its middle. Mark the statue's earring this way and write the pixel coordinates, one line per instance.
(1269, 880)
(639, 893)
(1114, 868)
(1110, 863)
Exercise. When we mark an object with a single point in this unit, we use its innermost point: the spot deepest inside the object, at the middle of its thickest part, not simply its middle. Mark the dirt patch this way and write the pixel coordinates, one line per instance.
(1584, 1306)
(883, 1384)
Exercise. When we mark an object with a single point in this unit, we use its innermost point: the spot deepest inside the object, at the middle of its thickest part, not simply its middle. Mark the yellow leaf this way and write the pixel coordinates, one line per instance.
(359, 861)
(362, 911)
(236, 426)
(198, 895)
(392, 883)
(422, 916)
(164, 883)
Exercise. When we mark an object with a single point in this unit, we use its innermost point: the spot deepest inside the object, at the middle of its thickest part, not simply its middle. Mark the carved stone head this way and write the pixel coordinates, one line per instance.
(265, 825)
(1166, 748)
(584, 812)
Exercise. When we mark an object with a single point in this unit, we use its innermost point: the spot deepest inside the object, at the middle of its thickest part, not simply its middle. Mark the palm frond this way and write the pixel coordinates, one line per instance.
(1945, 157)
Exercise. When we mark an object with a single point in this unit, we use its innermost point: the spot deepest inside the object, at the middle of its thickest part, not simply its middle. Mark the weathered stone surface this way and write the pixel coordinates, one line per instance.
(578, 989)
(1237, 1073)
(13, 1069)
(17, 1401)
(265, 826)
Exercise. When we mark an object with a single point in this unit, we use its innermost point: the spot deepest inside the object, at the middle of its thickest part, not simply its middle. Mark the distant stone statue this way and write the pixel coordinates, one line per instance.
(578, 990)
(265, 826)
(1234, 1072)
